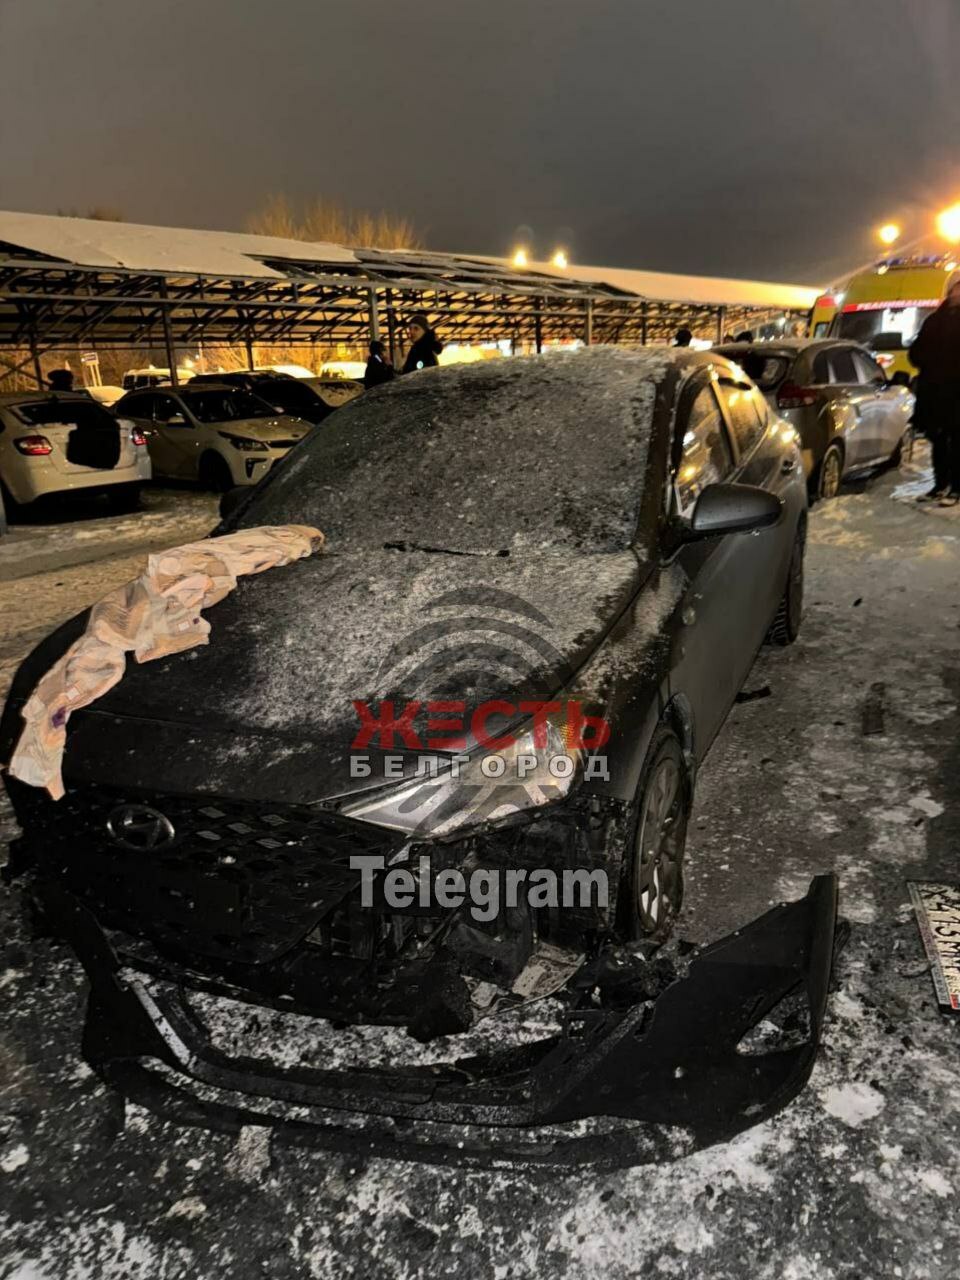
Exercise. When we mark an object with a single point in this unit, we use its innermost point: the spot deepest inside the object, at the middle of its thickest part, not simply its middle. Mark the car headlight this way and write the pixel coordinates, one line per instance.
(482, 787)
(245, 444)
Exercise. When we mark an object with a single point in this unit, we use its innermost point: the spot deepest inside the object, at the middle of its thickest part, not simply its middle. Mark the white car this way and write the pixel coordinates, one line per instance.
(152, 376)
(61, 442)
(221, 435)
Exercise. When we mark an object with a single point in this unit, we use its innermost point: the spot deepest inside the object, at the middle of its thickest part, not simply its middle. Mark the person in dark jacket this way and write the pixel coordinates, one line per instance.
(682, 338)
(936, 353)
(379, 369)
(425, 346)
(60, 380)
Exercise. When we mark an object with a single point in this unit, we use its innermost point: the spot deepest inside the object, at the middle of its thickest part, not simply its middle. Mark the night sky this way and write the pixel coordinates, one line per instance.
(756, 138)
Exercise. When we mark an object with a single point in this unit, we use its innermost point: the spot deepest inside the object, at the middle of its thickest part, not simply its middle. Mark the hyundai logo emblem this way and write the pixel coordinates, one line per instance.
(137, 826)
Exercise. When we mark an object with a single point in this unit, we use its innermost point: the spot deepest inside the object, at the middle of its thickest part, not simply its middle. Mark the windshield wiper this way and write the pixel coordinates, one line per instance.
(439, 551)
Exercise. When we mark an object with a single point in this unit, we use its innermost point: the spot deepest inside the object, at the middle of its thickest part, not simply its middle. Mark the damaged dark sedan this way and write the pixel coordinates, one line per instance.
(444, 769)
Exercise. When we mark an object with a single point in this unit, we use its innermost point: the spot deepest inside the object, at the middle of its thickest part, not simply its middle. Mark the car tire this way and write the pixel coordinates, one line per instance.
(786, 623)
(904, 450)
(124, 498)
(215, 474)
(651, 891)
(830, 473)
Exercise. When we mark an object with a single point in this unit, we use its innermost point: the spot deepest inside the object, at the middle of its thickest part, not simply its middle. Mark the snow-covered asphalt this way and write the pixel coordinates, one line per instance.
(858, 1178)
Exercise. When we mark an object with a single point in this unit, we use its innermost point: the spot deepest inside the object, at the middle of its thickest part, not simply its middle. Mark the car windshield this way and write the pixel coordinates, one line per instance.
(226, 406)
(767, 368)
(895, 326)
(547, 452)
(75, 413)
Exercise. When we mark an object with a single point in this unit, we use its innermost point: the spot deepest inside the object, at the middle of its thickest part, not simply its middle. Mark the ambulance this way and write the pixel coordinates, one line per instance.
(885, 306)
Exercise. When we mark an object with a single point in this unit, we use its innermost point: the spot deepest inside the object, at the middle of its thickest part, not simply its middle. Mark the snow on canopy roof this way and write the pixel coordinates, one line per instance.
(133, 246)
(711, 291)
(90, 242)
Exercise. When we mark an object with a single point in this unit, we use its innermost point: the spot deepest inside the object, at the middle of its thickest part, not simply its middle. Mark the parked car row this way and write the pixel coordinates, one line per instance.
(227, 430)
(220, 430)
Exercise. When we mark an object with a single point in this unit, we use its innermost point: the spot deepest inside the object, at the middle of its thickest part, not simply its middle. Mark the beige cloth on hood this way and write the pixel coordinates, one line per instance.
(157, 614)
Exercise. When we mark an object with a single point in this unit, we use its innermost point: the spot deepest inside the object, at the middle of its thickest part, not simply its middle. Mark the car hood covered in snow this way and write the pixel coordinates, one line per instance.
(267, 707)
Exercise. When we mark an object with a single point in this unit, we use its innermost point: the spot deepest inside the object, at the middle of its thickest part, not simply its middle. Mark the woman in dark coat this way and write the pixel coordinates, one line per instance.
(425, 346)
(936, 353)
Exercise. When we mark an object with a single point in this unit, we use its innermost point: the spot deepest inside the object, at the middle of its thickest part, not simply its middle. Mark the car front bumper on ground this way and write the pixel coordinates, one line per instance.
(652, 1049)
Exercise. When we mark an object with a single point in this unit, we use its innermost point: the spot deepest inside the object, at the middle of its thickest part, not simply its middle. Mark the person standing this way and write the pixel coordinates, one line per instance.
(425, 346)
(379, 369)
(60, 380)
(936, 353)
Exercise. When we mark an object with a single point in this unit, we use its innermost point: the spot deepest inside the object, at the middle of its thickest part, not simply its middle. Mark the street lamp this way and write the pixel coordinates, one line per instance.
(520, 258)
(560, 259)
(889, 233)
(948, 224)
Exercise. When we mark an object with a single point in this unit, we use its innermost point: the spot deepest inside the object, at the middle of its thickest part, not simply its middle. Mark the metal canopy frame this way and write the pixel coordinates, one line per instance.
(47, 304)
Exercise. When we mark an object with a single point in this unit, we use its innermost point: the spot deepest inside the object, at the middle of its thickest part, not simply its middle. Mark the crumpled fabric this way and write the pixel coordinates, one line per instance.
(153, 616)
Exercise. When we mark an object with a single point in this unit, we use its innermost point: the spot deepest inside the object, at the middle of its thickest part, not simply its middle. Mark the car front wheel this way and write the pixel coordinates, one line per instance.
(215, 474)
(786, 625)
(652, 890)
(831, 472)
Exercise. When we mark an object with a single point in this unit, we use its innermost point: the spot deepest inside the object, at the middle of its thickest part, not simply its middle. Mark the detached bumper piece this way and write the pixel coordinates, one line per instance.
(650, 1062)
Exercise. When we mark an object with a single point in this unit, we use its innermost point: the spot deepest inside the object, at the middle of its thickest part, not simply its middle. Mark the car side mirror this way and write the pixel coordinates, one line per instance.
(733, 508)
(230, 500)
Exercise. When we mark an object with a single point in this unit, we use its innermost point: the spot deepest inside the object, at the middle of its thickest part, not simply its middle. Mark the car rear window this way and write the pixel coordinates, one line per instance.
(766, 368)
(75, 413)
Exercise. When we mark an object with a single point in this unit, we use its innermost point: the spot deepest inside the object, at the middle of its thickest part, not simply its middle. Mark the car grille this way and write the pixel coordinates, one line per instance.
(240, 882)
(284, 444)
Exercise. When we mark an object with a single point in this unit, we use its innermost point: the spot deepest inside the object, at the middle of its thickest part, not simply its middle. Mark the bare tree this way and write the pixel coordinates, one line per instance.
(330, 221)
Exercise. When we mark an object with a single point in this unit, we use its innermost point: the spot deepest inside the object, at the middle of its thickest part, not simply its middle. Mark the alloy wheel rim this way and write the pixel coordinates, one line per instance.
(831, 476)
(657, 863)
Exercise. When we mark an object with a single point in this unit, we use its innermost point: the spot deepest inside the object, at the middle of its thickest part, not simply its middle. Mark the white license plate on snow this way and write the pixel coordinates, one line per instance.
(938, 916)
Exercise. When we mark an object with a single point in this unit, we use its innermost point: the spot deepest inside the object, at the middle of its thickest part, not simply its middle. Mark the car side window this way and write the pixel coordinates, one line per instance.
(821, 370)
(164, 408)
(842, 369)
(871, 374)
(744, 414)
(706, 457)
(138, 406)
